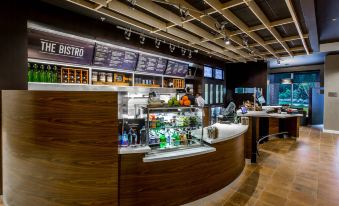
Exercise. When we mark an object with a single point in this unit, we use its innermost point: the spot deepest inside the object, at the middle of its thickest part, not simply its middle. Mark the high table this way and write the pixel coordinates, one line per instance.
(263, 124)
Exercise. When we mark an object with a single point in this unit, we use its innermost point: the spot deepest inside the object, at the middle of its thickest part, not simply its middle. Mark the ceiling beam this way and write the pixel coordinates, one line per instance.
(264, 20)
(285, 39)
(310, 17)
(154, 8)
(259, 27)
(280, 51)
(137, 24)
(210, 23)
(296, 22)
(225, 6)
(215, 4)
(157, 23)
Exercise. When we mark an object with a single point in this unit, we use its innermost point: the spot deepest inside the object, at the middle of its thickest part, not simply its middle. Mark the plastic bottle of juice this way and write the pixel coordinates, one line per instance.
(162, 141)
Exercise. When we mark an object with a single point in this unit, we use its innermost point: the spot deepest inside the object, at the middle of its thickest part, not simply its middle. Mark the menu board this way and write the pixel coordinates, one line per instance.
(111, 57)
(176, 69)
(151, 64)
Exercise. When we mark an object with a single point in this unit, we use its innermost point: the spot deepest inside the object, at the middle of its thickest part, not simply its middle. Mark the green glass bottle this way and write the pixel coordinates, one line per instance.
(55, 74)
(36, 73)
(162, 141)
(49, 74)
(43, 73)
(30, 73)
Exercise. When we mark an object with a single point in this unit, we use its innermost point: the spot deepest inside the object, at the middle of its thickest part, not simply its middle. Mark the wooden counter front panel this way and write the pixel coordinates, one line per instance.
(60, 148)
(175, 182)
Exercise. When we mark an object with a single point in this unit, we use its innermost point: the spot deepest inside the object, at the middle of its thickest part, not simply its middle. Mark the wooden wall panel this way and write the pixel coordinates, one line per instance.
(60, 148)
(175, 182)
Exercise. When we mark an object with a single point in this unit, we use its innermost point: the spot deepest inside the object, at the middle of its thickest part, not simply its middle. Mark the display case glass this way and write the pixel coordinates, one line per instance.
(174, 128)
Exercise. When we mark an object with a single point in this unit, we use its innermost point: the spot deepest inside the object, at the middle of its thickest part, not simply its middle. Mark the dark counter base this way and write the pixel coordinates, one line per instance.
(262, 126)
(179, 181)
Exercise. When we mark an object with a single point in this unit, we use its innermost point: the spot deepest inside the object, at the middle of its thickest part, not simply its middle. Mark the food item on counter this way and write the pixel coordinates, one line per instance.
(173, 102)
(187, 103)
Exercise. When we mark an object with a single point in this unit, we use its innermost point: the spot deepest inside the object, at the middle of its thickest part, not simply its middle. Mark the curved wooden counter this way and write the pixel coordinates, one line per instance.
(59, 148)
(179, 181)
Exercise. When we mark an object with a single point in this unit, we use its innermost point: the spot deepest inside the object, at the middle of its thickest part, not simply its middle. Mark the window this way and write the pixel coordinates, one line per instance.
(217, 91)
(211, 94)
(206, 94)
(292, 88)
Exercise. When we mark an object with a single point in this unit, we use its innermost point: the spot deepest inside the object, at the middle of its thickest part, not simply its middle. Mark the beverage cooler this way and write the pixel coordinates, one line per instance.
(161, 129)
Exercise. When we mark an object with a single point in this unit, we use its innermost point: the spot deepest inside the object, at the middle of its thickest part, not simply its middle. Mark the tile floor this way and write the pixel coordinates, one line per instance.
(289, 173)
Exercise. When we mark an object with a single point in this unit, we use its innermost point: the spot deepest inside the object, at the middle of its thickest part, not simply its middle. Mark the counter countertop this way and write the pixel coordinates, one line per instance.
(178, 154)
(134, 150)
(265, 114)
(225, 132)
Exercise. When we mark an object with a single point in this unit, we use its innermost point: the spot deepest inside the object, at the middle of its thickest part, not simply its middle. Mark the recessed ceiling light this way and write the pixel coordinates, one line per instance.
(334, 19)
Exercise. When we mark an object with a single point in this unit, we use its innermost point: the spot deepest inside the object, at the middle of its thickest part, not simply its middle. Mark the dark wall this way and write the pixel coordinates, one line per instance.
(13, 52)
(92, 27)
(13, 41)
(251, 74)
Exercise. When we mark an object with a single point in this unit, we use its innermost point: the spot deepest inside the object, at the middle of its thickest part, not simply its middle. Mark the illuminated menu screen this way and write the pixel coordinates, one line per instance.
(176, 69)
(151, 64)
(111, 57)
(208, 72)
(219, 74)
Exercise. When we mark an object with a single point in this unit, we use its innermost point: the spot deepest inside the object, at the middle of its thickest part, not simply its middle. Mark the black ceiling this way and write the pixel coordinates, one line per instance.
(328, 28)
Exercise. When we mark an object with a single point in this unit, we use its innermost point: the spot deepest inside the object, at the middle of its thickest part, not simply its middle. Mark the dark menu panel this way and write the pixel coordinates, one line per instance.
(176, 69)
(107, 56)
(151, 64)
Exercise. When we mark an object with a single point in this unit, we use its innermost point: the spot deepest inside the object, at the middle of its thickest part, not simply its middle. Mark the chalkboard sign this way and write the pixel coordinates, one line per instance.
(176, 69)
(151, 64)
(111, 57)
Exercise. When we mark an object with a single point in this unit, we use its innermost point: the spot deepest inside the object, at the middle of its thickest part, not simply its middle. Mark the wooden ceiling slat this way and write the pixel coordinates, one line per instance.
(111, 14)
(264, 20)
(240, 24)
(296, 22)
(175, 19)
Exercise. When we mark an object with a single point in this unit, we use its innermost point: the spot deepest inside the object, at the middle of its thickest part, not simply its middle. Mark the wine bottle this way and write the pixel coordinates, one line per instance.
(36, 75)
(49, 74)
(55, 74)
(42, 73)
(30, 73)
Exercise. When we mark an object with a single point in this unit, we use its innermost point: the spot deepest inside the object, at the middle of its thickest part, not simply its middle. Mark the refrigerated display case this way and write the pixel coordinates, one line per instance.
(174, 128)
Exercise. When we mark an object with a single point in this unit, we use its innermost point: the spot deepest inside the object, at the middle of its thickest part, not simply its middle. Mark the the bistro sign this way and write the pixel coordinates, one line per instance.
(42, 45)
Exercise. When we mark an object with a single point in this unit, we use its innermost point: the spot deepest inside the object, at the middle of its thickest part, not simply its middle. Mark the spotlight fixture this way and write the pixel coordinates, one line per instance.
(184, 13)
(132, 2)
(196, 51)
(221, 26)
(102, 18)
(190, 54)
(227, 41)
(157, 43)
(171, 47)
(183, 51)
(142, 39)
(128, 34)
(245, 40)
